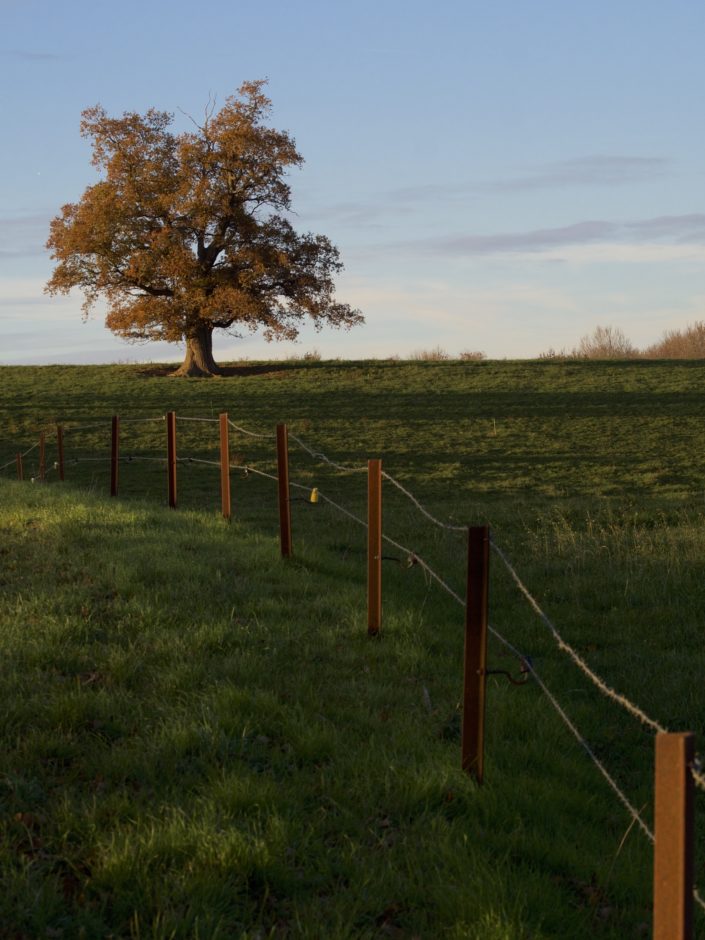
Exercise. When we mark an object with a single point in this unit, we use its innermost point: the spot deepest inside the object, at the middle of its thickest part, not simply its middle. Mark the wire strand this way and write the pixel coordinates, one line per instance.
(141, 420)
(237, 427)
(699, 778)
(204, 420)
(320, 456)
(607, 690)
(210, 463)
(84, 427)
(414, 500)
(552, 699)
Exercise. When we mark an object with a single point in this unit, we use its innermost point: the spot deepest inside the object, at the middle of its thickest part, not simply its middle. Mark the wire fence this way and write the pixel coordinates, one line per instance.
(413, 558)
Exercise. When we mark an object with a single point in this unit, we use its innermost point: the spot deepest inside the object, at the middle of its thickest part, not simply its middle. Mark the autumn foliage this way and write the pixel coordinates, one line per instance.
(187, 233)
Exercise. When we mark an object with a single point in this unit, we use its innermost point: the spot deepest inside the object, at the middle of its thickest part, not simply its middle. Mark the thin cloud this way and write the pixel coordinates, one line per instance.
(537, 240)
(664, 230)
(362, 214)
(673, 226)
(24, 236)
(596, 170)
(593, 170)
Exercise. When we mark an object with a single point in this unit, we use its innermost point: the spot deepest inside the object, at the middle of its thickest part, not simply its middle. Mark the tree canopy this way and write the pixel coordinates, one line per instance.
(187, 233)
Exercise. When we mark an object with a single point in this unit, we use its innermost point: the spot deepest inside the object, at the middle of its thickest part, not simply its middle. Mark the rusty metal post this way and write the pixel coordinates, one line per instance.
(42, 456)
(114, 454)
(374, 547)
(224, 466)
(475, 656)
(60, 449)
(673, 837)
(20, 468)
(284, 496)
(171, 456)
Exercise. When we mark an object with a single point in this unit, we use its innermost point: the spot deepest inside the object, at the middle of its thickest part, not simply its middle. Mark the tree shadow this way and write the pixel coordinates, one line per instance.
(228, 370)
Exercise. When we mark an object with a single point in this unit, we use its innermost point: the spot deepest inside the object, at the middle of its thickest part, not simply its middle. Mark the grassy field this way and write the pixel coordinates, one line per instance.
(200, 740)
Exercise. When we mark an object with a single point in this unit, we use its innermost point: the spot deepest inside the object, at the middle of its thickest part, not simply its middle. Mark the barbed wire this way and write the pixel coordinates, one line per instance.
(414, 500)
(698, 778)
(327, 499)
(84, 427)
(359, 469)
(22, 455)
(141, 420)
(552, 699)
(636, 712)
(260, 473)
(627, 704)
(325, 459)
(607, 690)
(211, 463)
(619, 793)
(237, 427)
(614, 786)
(611, 693)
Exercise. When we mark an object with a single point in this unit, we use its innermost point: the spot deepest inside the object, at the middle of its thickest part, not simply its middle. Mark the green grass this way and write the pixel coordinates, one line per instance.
(200, 740)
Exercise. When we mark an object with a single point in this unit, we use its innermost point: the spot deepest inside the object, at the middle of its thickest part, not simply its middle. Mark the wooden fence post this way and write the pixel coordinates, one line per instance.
(171, 456)
(374, 547)
(114, 454)
(284, 497)
(673, 837)
(20, 468)
(60, 449)
(42, 456)
(475, 655)
(224, 466)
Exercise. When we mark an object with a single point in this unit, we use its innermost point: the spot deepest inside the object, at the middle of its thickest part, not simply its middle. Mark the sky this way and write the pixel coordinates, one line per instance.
(498, 176)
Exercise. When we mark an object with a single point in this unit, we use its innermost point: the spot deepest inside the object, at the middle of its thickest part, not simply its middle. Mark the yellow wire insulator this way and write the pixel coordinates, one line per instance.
(314, 495)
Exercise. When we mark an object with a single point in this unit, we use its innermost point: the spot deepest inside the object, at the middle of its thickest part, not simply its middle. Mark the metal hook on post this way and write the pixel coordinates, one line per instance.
(524, 670)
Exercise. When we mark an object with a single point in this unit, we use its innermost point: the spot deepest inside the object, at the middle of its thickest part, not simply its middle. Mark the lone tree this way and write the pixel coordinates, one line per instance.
(186, 233)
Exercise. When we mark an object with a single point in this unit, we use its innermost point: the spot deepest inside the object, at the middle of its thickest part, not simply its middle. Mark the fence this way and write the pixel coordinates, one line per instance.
(677, 767)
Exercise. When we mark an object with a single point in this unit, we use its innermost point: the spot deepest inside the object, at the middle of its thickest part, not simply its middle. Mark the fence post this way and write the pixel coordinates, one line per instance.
(20, 468)
(374, 547)
(60, 449)
(114, 454)
(284, 498)
(673, 837)
(42, 456)
(171, 456)
(475, 654)
(224, 466)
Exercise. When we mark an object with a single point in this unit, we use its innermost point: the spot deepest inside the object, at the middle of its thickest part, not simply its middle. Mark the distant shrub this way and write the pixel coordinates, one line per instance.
(471, 356)
(605, 342)
(680, 344)
(429, 355)
(556, 354)
(312, 355)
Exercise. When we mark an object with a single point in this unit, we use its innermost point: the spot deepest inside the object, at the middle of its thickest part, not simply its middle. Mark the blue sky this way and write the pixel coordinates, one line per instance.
(498, 176)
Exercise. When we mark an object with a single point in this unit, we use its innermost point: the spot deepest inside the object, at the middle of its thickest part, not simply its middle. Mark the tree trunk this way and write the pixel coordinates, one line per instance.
(199, 354)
